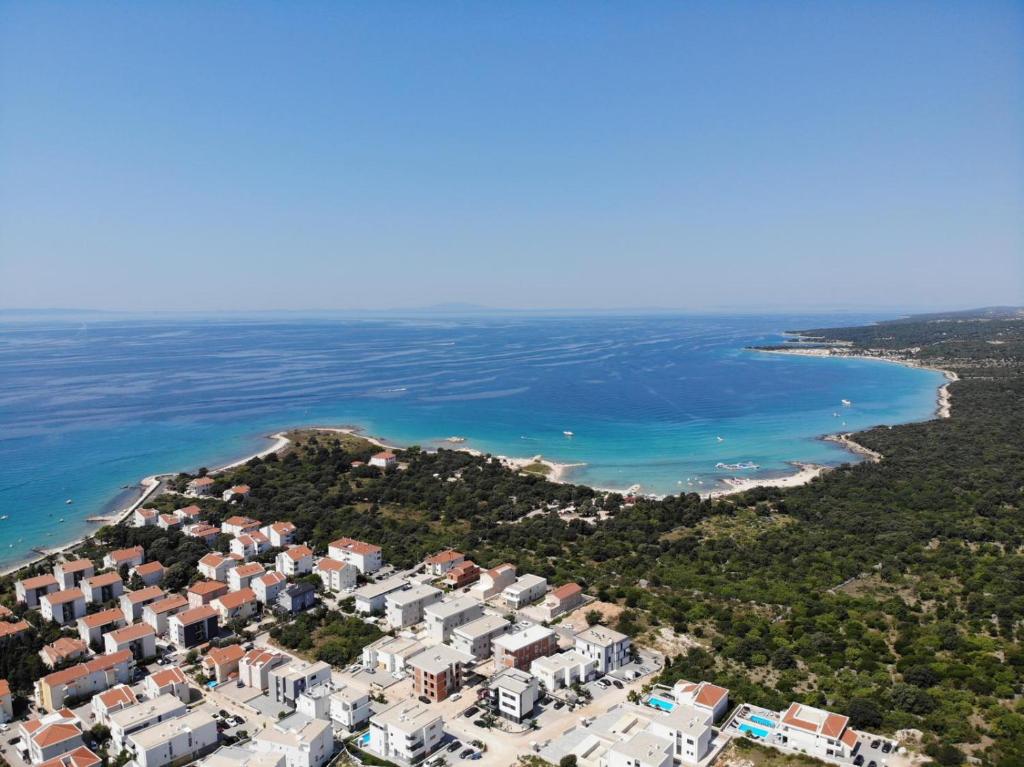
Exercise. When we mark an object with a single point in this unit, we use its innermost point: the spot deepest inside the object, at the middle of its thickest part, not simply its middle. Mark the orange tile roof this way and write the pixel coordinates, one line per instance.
(330, 565)
(122, 554)
(202, 481)
(52, 734)
(213, 559)
(99, 663)
(80, 757)
(96, 620)
(356, 547)
(195, 615)
(385, 454)
(710, 694)
(283, 527)
(75, 566)
(65, 647)
(120, 695)
(207, 587)
(218, 656)
(448, 555)
(238, 521)
(834, 725)
(189, 511)
(149, 568)
(240, 489)
(237, 598)
(61, 597)
(12, 629)
(298, 552)
(252, 568)
(104, 579)
(39, 581)
(172, 675)
(273, 578)
(566, 590)
(150, 593)
(172, 602)
(259, 657)
(5, 687)
(131, 633)
(849, 738)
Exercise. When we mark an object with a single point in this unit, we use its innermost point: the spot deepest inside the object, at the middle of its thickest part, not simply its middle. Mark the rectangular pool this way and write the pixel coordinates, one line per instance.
(660, 703)
(757, 732)
(762, 720)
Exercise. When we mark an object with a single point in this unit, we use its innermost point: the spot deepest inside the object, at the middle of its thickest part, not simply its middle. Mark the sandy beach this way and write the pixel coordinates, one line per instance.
(804, 473)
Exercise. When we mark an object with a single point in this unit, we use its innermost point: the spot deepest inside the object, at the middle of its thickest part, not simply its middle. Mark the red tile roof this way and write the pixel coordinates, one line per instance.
(207, 587)
(80, 757)
(75, 566)
(356, 547)
(102, 618)
(448, 555)
(104, 579)
(567, 590)
(237, 598)
(149, 568)
(195, 615)
(61, 597)
(172, 675)
(12, 629)
(150, 593)
(122, 555)
(298, 552)
(39, 582)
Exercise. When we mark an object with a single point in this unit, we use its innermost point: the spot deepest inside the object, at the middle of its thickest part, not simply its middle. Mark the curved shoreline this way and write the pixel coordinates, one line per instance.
(558, 472)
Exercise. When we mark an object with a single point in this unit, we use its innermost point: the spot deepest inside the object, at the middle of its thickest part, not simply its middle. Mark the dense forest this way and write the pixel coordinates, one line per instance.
(891, 591)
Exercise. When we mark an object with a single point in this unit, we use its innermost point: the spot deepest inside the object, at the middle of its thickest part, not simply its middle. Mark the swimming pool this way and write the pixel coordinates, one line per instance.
(364, 739)
(762, 720)
(660, 703)
(757, 732)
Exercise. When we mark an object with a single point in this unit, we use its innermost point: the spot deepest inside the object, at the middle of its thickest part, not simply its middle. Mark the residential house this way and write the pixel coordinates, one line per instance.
(240, 605)
(80, 757)
(116, 698)
(336, 576)
(461, 575)
(521, 648)
(124, 558)
(30, 590)
(702, 695)
(444, 617)
(443, 561)
(139, 639)
(221, 663)
(560, 601)
(492, 582)
(563, 669)
(71, 574)
(296, 597)
(134, 602)
(10, 630)
(101, 588)
(167, 681)
(408, 731)
(189, 514)
(193, 627)
(817, 732)
(236, 493)
(286, 682)
(370, 599)
(524, 591)
(688, 730)
(200, 486)
(280, 534)
(301, 740)
(610, 648)
(91, 628)
(437, 671)
(238, 525)
(63, 607)
(405, 608)
(203, 592)
(150, 573)
(241, 577)
(144, 517)
(365, 557)
(513, 694)
(475, 637)
(644, 749)
(267, 587)
(49, 736)
(250, 545)
(138, 717)
(255, 666)
(156, 614)
(390, 653)
(296, 560)
(176, 741)
(350, 708)
(84, 680)
(204, 531)
(168, 522)
(384, 460)
(63, 650)
(215, 566)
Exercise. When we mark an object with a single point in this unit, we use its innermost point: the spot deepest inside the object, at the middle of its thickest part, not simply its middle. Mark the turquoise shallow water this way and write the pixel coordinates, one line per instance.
(88, 408)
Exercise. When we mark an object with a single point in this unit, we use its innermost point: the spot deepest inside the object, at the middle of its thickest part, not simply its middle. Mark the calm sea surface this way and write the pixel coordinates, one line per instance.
(88, 408)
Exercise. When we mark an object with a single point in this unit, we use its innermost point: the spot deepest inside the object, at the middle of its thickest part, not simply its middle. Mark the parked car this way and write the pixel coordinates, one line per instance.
(617, 683)
(886, 747)
(454, 745)
(470, 712)
(424, 699)
(872, 763)
(875, 743)
(858, 760)
(465, 753)
(558, 704)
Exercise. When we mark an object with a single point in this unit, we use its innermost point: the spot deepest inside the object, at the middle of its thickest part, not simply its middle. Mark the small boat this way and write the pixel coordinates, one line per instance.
(720, 439)
(69, 501)
(456, 440)
(61, 519)
(846, 402)
(3, 516)
(567, 433)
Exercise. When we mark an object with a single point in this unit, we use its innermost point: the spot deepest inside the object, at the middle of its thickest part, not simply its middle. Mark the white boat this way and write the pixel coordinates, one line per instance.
(567, 433)
(68, 501)
(4, 516)
(720, 439)
(846, 402)
(456, 440)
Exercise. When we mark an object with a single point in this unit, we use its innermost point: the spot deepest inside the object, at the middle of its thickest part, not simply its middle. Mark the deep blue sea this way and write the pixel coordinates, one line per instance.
(86, 408)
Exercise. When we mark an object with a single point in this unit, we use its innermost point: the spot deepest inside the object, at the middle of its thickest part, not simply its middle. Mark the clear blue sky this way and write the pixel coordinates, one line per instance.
(196, 155)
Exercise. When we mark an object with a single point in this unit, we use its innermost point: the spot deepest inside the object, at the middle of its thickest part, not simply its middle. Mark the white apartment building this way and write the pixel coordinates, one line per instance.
(817, 732)
(364, 556)
(349, 708)
(514, 694)
(371, 597)
(174, 741)
(407, 731)
(286, 682)
(131, 719)
(563, 669)
(492, 582)
(301, 740)
(444, 617)
(335, 575)
(524, 591)
(610, 648)
(475, 637)
(405, 608)
(297, 560)
(63, 607)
